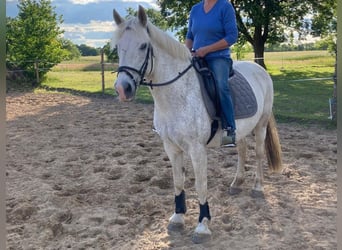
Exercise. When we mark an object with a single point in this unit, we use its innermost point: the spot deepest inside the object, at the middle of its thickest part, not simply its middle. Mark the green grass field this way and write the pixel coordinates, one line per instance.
(303, 85)
(300, 96)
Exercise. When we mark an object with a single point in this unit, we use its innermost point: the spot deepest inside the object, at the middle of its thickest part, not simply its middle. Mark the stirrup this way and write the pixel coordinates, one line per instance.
(228, 139)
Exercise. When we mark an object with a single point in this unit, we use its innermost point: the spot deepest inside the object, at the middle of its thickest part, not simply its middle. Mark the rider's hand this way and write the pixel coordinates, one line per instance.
(202, 52)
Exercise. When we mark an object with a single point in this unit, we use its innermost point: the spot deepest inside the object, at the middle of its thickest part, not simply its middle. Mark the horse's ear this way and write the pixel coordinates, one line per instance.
(142, 16)
(117, 18)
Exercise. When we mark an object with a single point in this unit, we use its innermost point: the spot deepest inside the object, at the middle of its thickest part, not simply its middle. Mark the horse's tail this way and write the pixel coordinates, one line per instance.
(272, 146)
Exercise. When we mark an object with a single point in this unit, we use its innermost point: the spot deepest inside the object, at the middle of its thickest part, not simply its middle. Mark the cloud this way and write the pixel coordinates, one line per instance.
(84, 2)
(94, 42)
(98, 1)
(151, 3)
(95, 33)
(93, 26)
(88, 21)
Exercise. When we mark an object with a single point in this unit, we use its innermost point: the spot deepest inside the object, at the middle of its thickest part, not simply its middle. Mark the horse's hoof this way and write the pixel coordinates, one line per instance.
(175, 227)
(257, 194)
(234, 190)
(200, 238)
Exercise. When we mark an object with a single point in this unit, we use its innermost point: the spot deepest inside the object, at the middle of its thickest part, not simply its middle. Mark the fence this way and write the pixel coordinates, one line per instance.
(93, 74)
(14, 73)
(90, 65)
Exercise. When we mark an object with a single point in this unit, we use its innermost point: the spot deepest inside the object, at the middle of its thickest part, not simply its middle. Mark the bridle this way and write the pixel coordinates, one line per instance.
(141, 72)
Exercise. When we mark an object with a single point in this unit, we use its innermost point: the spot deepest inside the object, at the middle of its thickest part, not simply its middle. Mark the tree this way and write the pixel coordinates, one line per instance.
(72, 51)
(112, 55)
(88, 50)
(324, 19)
(176, 14)
(33, 36)
(259, 21)
(324, 24)
(154, 16)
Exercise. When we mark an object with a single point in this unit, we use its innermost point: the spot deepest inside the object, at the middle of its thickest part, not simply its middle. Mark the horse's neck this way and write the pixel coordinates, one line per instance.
(180, 94)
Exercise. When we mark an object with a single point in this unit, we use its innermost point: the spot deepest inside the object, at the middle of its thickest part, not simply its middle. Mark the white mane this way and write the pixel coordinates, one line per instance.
(165, 42)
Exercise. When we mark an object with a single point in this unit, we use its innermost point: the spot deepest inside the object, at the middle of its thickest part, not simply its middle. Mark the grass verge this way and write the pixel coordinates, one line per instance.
(300, 93)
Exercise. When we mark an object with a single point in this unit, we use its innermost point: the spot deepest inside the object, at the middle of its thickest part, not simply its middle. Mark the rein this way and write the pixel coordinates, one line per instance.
(180, 74)
(141, 72)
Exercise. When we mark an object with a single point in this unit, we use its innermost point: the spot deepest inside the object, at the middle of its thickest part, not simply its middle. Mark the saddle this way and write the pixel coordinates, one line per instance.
(243, 97)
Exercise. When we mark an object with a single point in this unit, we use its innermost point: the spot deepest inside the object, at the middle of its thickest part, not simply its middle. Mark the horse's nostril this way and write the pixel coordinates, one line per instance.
(128, 89)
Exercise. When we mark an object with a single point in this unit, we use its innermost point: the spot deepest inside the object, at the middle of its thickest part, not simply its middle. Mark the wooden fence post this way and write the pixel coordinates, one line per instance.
(102, 72)
(37, 72)
(334, 98)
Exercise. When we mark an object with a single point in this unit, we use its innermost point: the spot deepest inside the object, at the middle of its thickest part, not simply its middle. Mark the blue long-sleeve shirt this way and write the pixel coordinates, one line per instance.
(207, 28)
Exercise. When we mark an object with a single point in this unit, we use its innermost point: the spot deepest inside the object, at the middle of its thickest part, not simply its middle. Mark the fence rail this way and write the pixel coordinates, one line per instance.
(94, 74)
(36, 68)
(103, 66)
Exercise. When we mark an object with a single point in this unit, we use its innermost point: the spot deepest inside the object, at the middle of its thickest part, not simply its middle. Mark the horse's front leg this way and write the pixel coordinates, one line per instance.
(198, 155)
(176, 222)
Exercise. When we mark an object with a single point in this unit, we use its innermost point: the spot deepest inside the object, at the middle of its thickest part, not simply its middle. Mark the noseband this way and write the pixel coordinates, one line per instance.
(141, 72)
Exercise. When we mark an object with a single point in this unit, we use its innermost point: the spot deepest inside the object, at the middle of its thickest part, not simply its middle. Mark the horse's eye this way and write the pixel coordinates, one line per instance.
(143, 46)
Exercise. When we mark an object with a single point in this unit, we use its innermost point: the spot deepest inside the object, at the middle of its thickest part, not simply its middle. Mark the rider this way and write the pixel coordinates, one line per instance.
(212, 30)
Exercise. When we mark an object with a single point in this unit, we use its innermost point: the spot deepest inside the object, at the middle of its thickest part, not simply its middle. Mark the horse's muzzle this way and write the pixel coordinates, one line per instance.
(124, 90)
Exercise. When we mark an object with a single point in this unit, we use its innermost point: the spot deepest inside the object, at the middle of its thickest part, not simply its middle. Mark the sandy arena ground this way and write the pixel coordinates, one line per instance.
(89, 173)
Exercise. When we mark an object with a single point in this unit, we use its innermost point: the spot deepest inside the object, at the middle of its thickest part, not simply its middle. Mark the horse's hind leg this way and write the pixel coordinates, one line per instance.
(260, 135)
(176, 222)
(240, 172)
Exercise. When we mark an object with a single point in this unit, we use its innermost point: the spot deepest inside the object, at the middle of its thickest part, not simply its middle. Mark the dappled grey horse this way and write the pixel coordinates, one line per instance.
(148, 55)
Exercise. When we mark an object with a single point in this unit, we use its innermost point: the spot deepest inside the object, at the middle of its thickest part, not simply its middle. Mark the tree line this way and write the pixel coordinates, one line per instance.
(262, 22)
(35, 34)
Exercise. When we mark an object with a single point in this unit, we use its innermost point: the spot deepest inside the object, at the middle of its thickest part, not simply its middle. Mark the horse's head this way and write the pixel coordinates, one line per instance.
(135, 53)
